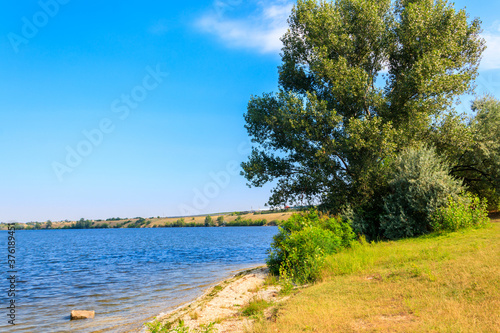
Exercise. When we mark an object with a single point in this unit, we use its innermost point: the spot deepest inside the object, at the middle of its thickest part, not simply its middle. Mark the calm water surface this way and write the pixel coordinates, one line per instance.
(126, 275)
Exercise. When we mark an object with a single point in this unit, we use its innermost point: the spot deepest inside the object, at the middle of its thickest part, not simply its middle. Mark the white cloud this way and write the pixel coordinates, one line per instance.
(491, 56)
(260, 31)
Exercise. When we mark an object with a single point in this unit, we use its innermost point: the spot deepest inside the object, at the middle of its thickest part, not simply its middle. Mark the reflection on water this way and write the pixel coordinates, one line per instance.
(126, 275)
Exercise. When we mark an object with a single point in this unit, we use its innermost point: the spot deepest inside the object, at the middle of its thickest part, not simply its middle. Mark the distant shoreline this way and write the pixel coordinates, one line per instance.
(235, 219)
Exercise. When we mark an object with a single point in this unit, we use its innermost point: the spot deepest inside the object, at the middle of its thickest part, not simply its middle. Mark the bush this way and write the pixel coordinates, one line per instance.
(466, 211)
(298, 250)
(273, 223)
(240, 222)
(81, 224)
(420, 184)
(209, 222)
(179, 223)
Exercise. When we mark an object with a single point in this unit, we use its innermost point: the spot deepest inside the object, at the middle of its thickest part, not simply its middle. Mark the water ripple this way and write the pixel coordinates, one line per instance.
(125, 275)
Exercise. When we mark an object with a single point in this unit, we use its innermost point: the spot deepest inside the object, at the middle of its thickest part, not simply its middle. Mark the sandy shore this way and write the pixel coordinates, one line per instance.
(222, 304)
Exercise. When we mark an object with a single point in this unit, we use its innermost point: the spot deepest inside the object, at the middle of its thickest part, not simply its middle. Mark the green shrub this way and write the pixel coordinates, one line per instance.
(209, 222)
(255, 307)
(157, 326)
(298, 250)
(466, 211)
(273, 223)
(240, 222)
(179, 223)
(81, 224)
(420, 184)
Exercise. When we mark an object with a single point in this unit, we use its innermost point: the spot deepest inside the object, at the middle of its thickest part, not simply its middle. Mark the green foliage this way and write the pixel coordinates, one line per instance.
(331, 132)
(240, 222)
(207, 328)
(120, 225)
(209, 222)
(19, 226)
(299, 248)
(480, 165)
(114, 219)
(157, 326)
(215, 290)
(420, 184)
(220, 220)
(255, 307)
(82, 224)
(286, 281)
(137, 224)
(179, 223)
(273, 223)
(471, 146)
(465, 211)
(181, 328)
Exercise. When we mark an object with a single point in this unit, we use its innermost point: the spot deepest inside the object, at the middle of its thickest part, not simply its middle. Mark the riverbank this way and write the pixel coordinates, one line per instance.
(436, 283)
(230, 306)
(440, 282)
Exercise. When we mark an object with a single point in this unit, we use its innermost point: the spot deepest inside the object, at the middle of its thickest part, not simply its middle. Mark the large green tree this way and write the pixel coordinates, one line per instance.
(472, 147)
(360, 80)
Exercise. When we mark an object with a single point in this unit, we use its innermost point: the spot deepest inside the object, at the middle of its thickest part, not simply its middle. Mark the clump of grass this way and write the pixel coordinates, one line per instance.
(194, 315)
(157, 326)
(255, 307)
(254, 289)
(271, 280)
(207, 328)
(215, 290)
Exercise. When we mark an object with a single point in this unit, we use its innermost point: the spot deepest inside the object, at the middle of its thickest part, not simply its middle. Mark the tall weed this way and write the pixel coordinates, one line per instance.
(466, 211)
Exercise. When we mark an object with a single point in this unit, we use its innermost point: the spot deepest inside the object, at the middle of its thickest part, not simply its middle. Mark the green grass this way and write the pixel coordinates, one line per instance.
(159, 327)
(437, 283)
(255, 307)
(215, 290)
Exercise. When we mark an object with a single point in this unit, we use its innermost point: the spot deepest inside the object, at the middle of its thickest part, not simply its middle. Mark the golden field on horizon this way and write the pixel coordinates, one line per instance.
(162, 221)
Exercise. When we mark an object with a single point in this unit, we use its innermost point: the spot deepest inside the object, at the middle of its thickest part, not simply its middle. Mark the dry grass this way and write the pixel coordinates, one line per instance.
(439, 283)
(227, 217)
(194, 315)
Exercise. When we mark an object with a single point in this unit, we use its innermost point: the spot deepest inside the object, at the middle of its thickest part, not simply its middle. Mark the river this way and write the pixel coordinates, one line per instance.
(127, 276)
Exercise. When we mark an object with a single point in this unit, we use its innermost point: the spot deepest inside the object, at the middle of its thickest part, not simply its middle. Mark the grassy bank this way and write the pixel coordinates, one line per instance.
(440, 283)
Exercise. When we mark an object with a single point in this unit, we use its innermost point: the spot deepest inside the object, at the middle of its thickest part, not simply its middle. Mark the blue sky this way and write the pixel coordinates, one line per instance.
(150, 95)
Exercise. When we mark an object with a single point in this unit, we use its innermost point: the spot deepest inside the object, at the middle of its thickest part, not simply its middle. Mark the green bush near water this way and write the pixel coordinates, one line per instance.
(299, 249)
(240, 222)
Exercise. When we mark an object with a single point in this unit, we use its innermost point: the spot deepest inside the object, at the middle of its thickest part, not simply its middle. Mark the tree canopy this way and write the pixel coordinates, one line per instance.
(361, 80)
